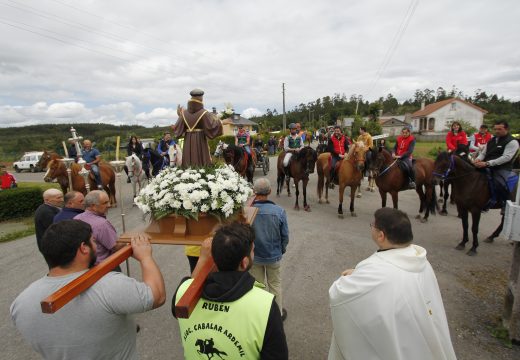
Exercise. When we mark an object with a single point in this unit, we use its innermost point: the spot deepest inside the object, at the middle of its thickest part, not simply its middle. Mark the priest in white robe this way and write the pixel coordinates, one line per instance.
(390, 306)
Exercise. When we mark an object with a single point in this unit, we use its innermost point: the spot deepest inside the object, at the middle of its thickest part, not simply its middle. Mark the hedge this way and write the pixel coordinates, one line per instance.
(19, 202)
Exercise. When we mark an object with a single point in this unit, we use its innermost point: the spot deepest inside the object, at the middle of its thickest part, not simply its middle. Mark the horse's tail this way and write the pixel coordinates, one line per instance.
(433, 206)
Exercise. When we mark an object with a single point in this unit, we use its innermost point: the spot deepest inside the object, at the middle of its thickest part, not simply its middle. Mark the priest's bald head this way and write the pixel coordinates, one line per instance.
(391, 228)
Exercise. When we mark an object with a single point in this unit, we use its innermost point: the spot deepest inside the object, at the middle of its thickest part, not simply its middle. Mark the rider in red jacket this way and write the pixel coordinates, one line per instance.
(455, 137)
(403, 150)
(338, 148)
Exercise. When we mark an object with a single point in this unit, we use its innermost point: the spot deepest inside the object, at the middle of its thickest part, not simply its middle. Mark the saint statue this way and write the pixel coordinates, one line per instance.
(196, 125)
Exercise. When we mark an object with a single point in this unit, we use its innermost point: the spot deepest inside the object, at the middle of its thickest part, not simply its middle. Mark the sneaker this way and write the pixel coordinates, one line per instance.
(284, 314)
(100, 187)
(411, 185)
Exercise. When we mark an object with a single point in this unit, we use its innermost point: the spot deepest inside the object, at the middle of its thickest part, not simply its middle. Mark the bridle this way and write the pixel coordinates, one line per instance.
(444, 176)
(135, 169)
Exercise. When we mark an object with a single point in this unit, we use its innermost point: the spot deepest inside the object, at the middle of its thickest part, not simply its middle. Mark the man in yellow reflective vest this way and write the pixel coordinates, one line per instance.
(234, 318)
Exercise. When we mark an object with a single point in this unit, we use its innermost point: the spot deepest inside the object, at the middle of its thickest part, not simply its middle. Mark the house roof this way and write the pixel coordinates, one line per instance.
(238, 120)
(392, 122)
(436, 106)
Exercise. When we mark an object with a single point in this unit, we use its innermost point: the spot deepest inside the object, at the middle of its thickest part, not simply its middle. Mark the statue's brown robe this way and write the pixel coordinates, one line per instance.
(196, 128)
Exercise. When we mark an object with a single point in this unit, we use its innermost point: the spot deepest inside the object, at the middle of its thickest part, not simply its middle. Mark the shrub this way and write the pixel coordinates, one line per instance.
(19, 202)
(435, 151)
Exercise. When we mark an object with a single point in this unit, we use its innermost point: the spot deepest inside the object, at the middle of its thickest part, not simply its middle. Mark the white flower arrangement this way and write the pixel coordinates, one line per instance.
(218, 191)
(227, 112)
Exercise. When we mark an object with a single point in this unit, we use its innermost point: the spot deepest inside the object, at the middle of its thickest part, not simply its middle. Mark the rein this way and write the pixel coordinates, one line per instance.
(387, 168)
(451, 168)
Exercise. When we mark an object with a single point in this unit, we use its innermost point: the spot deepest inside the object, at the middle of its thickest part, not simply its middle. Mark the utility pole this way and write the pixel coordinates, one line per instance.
(357, 104)
(284, 118)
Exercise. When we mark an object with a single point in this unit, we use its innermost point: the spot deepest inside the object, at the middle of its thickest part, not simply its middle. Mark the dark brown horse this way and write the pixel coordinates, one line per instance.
(46, 157)
(350, 174)
(237, 157)
(391, 179)
(57, 170)
(301, 165)
(470, 192)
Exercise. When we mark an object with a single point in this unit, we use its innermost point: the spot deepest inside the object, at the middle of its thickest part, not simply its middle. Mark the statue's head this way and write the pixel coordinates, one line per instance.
(195, 103)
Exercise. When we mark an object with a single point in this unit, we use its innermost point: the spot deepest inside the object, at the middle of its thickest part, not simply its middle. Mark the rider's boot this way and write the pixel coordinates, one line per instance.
(411, 182)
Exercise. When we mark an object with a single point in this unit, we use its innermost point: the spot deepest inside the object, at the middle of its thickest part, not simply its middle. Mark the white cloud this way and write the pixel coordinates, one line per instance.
(250, 112)
(241, 52)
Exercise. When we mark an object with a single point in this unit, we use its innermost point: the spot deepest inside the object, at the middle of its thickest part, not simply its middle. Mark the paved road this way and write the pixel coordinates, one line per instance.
(321, 246)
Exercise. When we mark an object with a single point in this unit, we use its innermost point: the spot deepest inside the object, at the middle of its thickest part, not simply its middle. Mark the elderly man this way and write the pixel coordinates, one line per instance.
(233, 317)
(271, 239)
(44, 215)
(105, 235)
(97, 324)
(92, 157)
(390, 305)
(74, 205)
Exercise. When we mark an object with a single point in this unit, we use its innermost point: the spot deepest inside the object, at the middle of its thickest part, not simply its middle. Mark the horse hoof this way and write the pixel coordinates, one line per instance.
(423, 220)
(296, 207)
(289, 195)
(327, 201)
(472, 252)
(353, 214)
(368, 189)
(340, 216)
(440, 201)
(418, 216)
(372, 190)
(459, 247)
(320, 202)
(443, 213)
(307, 208)
(358, 195)
(489, 240)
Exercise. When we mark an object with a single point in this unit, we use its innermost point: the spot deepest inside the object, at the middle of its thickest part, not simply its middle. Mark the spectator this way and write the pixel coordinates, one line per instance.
(271, 143)
(95, 325)
(44, 214)
(232, 304)
(105, 235)
(7, 180)
(390, 305)
(74, 205)
(271, 239)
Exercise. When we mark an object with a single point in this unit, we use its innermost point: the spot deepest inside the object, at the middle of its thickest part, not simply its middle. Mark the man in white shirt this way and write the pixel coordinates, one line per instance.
(390, 307)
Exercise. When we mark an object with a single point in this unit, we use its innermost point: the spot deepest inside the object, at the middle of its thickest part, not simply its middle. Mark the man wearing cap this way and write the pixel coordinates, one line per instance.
(196, 125)
(292, 145)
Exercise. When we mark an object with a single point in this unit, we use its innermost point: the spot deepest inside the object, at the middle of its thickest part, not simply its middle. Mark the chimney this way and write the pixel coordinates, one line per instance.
(422, 105)
(214, 110)
(236, 116)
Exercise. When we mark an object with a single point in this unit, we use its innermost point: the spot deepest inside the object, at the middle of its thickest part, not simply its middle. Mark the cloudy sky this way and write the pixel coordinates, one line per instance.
(125, 62)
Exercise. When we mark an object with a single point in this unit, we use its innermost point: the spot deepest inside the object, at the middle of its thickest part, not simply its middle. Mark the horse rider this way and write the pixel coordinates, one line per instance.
(456, 137)
(301, 133)
(259, 146)
(498, 156)
(403, 150)
(292, 145)
(134, 147)
(164, 147)
(242, 139)
(92, 157)
(479, 140)
(338, 148)
(147, 158)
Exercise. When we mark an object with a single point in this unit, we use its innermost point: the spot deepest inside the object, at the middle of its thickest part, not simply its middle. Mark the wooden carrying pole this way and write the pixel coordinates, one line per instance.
(62, 296)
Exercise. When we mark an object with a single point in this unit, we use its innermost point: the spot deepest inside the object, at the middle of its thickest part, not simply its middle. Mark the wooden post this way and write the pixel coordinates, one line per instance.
(61, 297)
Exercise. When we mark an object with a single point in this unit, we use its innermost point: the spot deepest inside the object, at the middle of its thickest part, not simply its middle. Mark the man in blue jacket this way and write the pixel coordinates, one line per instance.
(271, 239)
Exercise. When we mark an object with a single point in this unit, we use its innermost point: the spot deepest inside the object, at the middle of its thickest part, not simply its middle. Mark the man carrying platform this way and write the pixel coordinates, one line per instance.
(196, 125)
(292, 145)
(95, 325)
(234, 317)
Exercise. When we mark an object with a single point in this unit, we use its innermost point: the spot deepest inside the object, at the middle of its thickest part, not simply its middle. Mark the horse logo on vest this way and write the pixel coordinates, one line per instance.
(206, 347)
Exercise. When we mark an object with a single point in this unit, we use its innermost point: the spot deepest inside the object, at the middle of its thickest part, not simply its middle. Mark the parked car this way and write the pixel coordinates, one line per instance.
(29, 161)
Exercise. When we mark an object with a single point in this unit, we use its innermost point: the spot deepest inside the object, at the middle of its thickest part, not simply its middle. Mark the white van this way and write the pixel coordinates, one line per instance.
(28, 162)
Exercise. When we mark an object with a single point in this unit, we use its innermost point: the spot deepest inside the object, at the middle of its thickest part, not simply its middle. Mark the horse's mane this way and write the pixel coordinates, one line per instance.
(355, 145)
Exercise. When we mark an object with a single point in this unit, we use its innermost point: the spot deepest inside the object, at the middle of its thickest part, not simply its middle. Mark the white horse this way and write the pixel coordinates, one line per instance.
(221, 146)
(175, 153)
(135, 172)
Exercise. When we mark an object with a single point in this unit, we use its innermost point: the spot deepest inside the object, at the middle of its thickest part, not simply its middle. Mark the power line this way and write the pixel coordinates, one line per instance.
(395, 43)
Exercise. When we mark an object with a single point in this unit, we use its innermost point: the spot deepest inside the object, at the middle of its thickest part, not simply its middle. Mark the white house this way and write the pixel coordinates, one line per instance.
(436, 117)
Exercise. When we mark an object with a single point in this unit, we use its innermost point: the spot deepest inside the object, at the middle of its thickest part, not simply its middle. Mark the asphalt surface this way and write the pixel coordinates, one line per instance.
(321, 246)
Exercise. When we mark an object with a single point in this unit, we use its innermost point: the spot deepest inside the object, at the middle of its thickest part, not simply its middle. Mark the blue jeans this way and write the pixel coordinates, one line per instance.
(95, 170)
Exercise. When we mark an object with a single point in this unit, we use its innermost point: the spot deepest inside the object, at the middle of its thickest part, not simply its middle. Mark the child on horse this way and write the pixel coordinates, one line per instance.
(403, 150)
(243, 140)
(338, 148)
(292, 145)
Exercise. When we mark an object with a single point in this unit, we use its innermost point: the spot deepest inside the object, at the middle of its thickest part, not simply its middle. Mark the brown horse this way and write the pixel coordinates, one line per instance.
(350, 174)
(46, 157)
(391, 179)
(237, 157)
(300, 166)
(57, 170)
(470, 192)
